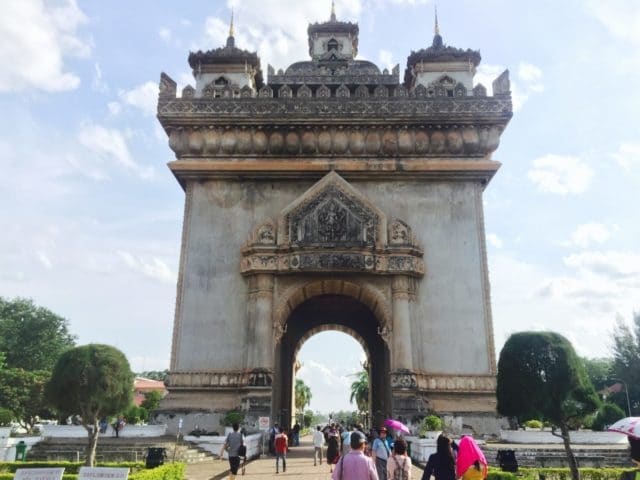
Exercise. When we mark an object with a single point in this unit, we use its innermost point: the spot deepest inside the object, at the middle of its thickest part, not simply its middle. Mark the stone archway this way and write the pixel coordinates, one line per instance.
(330, 311)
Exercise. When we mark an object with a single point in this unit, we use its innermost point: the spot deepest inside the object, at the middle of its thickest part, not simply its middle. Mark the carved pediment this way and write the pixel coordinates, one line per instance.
(332, 227)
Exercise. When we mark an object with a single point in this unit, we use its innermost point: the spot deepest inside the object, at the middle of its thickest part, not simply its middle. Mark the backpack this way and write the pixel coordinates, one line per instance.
(400, 473)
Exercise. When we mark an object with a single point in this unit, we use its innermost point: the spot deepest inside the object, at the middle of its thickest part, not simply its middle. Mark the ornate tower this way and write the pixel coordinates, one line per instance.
(334, 197)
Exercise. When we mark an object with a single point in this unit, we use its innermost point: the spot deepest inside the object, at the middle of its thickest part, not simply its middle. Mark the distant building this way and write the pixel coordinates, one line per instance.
(143, 385)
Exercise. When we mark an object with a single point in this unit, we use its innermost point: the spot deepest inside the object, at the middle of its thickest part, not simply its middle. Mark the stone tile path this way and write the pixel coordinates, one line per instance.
(299, 465)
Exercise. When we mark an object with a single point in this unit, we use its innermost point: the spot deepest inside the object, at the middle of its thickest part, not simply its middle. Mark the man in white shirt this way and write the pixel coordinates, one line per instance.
(318, 443)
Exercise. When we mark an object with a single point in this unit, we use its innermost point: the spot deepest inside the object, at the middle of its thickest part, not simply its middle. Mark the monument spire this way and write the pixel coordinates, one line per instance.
(333, 10)
(437, 38)
(231, 42)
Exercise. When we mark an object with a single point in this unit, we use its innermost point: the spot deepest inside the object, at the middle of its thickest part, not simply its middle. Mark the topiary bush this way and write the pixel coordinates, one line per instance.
(430, 423)
(533, 424)
(6, 417)
(232, 417)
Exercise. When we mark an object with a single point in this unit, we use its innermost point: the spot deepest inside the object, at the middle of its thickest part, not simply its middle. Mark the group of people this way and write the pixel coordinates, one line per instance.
(453, 461)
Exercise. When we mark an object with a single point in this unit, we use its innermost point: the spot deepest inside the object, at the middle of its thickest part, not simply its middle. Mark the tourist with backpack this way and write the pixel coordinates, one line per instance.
(399, 463)
(355, 465)
(381, 450)
(281, 445)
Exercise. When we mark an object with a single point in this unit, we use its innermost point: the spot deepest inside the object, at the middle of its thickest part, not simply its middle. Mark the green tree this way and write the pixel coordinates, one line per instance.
(608, 413)
(151, 401)
(540, 376)
(360, 391)
(22, 392)
(599, 371)
(302, 396)
(626, 363)
(92, 381)
(31, 337)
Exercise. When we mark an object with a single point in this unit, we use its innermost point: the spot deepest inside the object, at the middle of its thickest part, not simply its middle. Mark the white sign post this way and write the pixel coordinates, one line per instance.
(39, 474)
(263, 424)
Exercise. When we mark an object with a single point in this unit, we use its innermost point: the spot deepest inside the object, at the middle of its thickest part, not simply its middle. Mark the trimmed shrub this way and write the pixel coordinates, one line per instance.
(607, 414)
(430, 423)
(533, 424)
(6, 417)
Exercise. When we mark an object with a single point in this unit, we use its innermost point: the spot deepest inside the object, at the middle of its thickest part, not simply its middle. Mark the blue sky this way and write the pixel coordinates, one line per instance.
(91, 216)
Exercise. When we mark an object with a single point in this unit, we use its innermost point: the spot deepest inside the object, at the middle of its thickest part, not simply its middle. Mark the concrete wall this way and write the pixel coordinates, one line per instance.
(451, 308)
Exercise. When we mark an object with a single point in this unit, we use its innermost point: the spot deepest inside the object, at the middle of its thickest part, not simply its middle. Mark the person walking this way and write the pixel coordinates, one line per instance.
(442, 464)
(399, 464)
(232, 445)
(318, 443)
(296, 434)
(471, 463)
(281, 443)
(355, 465)
(333, 448)
(381, 450)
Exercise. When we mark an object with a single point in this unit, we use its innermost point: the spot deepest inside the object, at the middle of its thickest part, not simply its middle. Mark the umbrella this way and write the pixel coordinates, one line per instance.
(629, 426)
(396, 425)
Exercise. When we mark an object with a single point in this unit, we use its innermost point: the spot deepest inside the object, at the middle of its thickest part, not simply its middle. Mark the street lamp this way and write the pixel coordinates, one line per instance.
(626, 391)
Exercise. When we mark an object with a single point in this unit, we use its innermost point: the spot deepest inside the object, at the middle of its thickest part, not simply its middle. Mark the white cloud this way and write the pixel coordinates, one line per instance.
(144, 97)
(165, 34)
(114, 108)
(494, 240)
(628, 155)
(108, 146)
(620, 17)
(560, 174)
(36, 36)
(587, 234)
(153, 268)
(98, 83)
(613, 265)
(44, 260)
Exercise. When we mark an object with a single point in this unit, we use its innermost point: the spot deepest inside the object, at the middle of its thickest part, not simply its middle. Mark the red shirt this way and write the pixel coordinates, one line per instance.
(281, 441)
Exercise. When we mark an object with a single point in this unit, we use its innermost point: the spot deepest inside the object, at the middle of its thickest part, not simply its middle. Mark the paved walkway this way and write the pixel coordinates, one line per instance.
(299, 465)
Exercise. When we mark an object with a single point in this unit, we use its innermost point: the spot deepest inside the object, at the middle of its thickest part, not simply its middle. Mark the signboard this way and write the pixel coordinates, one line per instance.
(263, 423)
(39, 474)
(103, 473)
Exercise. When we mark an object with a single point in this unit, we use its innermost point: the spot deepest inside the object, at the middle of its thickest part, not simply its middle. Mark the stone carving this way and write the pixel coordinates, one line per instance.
(361, 91)
(323, 92)
(460, 90)
(168, 86)
(345, 140)
(343, 91)
(404, 379)
(400, 234)
(246, 92)
(479, 90)
(381, 92)
(259, 377)
(331, 227)
(333, 218)
(502, 85)
(304, 92)
(420, 91)
(285, 92)
(188, 92)
(265, 92)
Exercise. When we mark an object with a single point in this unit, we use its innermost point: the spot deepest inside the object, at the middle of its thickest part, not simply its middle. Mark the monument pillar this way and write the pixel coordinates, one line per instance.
(401, 324)
(260, 307)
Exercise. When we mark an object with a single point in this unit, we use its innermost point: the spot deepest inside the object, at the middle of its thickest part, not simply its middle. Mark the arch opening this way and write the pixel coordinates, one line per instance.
(338, 313)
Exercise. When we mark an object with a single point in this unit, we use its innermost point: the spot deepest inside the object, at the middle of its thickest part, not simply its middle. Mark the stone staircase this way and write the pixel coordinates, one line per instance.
(555, 456)
(112, 449)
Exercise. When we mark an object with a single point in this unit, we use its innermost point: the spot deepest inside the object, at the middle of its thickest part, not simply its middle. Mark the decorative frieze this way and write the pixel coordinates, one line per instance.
(456, 383)
(344, 140)
(219, 379)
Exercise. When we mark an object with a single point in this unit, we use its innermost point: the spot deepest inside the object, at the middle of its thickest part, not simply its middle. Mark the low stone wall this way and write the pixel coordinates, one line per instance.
(577, 437)
(8, 446)
(78, 431)
(214, 444)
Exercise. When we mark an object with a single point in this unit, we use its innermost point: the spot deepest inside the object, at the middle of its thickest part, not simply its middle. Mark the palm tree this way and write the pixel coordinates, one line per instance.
(302, 395)
(360, 391)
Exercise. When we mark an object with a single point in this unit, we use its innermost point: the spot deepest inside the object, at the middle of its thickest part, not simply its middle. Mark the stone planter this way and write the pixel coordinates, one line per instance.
(5, 432)
(421, 448)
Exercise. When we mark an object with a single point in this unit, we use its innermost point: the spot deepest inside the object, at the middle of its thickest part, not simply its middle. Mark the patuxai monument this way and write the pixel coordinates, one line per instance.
(333, 195)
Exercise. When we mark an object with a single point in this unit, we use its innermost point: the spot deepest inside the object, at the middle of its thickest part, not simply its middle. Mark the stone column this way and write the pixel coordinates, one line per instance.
(260, 306)
(402, 347)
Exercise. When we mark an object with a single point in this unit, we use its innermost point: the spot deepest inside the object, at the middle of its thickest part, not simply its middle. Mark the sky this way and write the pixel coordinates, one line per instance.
(91, 216)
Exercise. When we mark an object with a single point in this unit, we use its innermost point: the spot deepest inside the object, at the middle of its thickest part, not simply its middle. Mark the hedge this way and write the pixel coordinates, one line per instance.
(527, 473)
(169, 471)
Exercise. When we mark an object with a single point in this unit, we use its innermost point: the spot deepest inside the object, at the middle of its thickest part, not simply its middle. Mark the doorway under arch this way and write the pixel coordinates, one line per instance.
(344, 314)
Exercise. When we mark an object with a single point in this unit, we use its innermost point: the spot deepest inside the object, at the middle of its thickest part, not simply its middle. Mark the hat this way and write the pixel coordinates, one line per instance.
(382, 429)
(357, 439)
